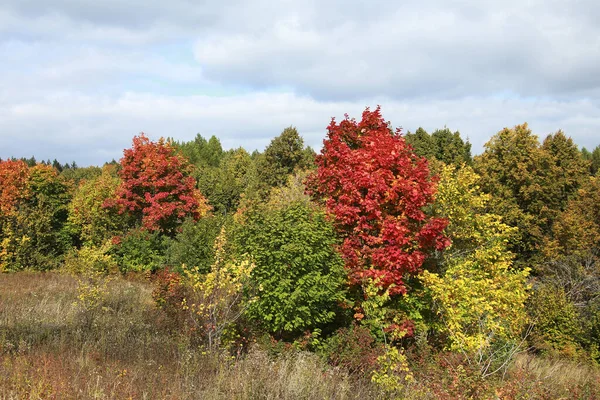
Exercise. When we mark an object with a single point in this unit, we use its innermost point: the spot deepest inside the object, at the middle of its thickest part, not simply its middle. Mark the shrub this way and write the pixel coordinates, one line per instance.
(169, 294)
(139, 251)
(298, 275)
(194, 244)
(556, 320)
(215, 305)
(91, 259)
(392, 373)
(354, 349)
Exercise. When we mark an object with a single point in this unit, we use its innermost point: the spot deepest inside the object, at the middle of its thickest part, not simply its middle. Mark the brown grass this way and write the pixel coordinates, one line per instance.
(53, 347)
(114, 344)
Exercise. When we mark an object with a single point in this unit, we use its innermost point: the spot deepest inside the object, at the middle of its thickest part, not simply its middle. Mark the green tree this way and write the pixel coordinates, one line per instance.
(556, 322)
(577, 229)
(194, 244)
(570, 265)
(293, 192)
(565, 172)
(422, 143)
(593, 158)
(284, 154)
(140, 251)
(298, 275)
(530, 183)
(201, 152)
(450, 148)
(76, 175)
(442, 145)
(568, 319)
(223, 185)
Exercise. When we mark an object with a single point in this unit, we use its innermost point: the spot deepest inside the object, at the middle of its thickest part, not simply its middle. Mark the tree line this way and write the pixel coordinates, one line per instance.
(384, 242)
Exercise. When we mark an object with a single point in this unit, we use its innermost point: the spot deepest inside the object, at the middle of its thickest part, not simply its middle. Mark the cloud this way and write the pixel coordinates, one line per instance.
(438, 49)
(79, 78)
(64, 127)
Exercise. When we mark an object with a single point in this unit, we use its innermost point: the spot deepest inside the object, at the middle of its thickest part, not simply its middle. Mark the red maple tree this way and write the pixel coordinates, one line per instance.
(14, 184)
(157, 187)
(375, 187)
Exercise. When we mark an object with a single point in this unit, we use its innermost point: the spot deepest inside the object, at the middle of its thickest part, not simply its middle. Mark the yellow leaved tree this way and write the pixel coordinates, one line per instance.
(216, 303)
(477, 293)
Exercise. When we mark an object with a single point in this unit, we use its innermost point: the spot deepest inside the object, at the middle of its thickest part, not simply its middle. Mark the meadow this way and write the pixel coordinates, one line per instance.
(61, 340)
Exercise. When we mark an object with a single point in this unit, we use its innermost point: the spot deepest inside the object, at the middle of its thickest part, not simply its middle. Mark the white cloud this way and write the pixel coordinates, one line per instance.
(79, 78)
(447, 49)
(65, 127)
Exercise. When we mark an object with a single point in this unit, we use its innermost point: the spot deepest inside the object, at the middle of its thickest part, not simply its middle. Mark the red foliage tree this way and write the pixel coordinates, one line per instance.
(157, 187)
(375, 188)
(14, 184)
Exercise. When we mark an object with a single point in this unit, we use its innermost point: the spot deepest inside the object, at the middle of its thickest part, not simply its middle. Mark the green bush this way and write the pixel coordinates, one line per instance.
(556, 322)
(298, 276)
(140, 251)
(194, 244)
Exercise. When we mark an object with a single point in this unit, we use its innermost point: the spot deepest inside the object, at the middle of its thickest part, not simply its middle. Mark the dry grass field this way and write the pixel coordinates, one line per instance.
(64, 338)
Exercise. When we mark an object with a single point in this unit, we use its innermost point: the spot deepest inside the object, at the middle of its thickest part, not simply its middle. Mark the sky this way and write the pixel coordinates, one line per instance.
(80, 78)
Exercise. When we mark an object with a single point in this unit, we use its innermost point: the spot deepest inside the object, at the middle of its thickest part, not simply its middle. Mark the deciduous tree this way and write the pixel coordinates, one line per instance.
(34, 234)
(376, 189)
(93, 222)
(298, 275)
(284, 154)
(477, 294)
(577, 229)
(224, 185)
(14, 179)
(157, 188)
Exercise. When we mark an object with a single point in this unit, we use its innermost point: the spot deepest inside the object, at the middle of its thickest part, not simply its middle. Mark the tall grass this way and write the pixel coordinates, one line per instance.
(63, 337)
(55, 345)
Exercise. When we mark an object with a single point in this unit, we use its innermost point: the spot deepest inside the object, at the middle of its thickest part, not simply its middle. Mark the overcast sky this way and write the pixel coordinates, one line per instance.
(79, 78)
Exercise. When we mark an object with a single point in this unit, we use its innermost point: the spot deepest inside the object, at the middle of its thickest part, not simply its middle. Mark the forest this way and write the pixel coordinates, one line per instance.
(389, 265)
